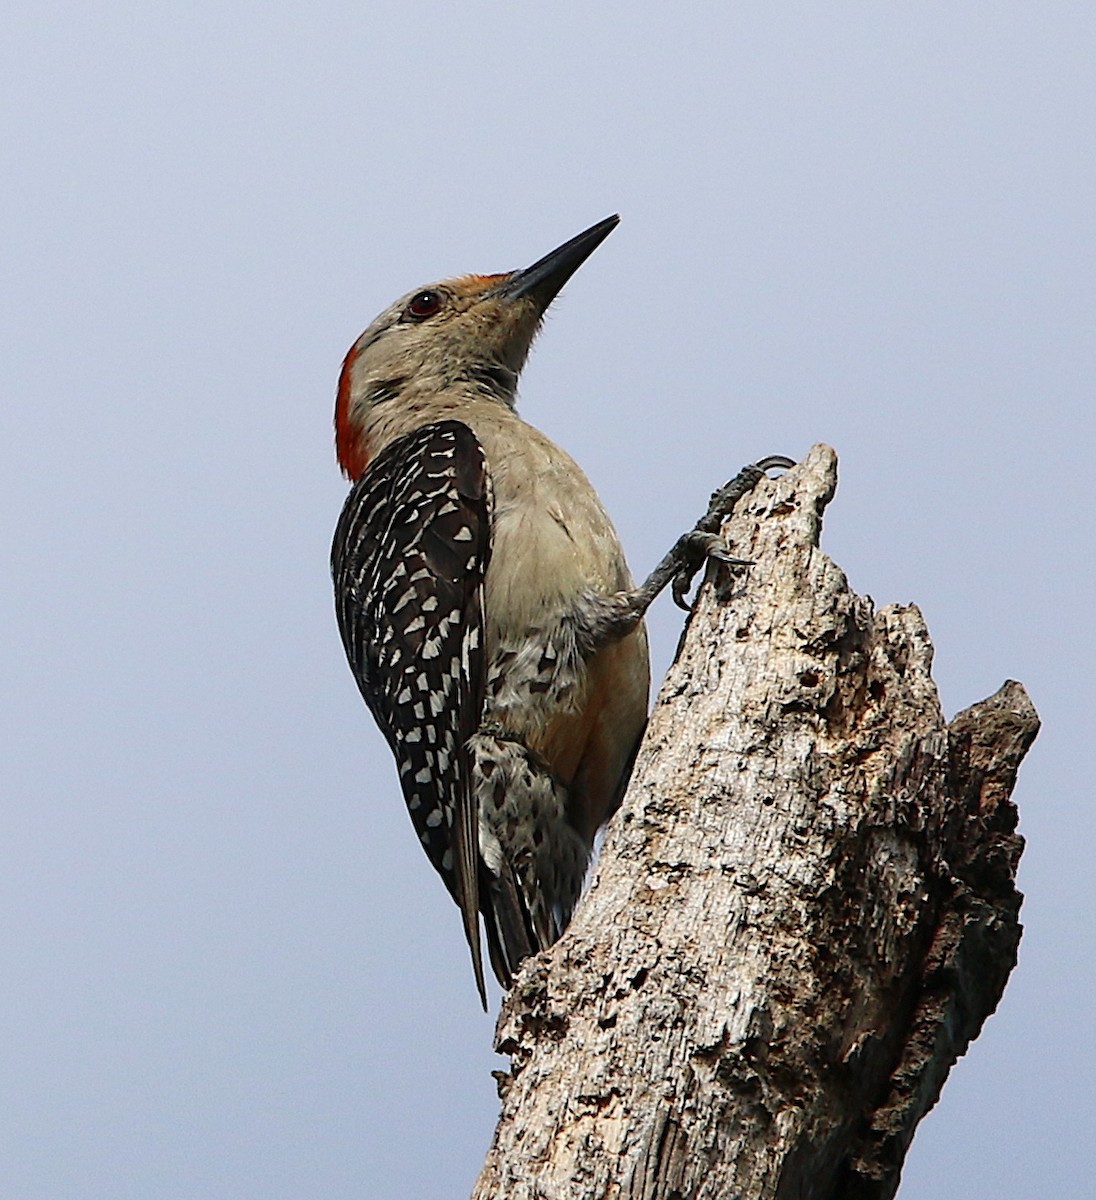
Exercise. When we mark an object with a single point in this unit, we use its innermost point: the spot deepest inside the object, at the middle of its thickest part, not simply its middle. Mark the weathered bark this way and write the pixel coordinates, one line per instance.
(803, 913)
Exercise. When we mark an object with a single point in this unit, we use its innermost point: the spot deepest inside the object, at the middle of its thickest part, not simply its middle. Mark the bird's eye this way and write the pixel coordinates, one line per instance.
(424, 304)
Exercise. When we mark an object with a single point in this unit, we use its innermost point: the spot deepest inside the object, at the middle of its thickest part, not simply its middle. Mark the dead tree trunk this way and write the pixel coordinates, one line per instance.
(803, 914)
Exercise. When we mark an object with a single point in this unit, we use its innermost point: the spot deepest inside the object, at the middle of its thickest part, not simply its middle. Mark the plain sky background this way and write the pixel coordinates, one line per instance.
(227, 968)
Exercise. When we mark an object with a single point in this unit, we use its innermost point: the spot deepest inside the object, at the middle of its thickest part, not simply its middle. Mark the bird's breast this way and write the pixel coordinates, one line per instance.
(552, 544)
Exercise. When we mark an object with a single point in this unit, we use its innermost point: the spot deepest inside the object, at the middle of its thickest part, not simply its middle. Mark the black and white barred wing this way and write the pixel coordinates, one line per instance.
(409, 558)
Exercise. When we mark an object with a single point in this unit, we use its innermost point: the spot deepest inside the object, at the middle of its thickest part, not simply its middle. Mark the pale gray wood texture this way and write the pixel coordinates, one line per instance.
(803, 913)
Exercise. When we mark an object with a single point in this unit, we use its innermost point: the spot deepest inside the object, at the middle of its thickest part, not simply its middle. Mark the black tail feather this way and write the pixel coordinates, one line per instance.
(511, 935)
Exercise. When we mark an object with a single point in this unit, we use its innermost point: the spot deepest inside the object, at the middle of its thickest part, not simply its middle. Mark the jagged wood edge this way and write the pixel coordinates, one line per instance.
(975, 898)
(976, 942)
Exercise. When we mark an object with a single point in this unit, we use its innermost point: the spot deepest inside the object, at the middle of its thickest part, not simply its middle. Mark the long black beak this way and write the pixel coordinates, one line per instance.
(543, 280)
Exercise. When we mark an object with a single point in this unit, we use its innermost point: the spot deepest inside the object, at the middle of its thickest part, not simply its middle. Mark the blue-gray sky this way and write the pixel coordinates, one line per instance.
(228, 969)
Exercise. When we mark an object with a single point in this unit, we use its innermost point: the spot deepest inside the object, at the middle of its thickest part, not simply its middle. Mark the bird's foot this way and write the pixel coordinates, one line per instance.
(696, 548)
(705, 541)
(725, 498)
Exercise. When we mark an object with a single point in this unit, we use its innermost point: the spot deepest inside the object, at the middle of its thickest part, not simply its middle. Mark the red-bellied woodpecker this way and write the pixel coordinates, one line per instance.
(485, 605)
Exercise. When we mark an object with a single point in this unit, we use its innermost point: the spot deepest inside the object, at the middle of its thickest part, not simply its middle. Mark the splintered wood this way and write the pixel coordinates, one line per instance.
(804, 910)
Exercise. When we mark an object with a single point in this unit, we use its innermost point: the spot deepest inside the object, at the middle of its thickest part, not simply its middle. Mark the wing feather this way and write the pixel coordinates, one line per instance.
(409, 559)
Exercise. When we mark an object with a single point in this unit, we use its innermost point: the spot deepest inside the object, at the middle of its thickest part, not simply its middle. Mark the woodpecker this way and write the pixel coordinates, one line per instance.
(485, 605)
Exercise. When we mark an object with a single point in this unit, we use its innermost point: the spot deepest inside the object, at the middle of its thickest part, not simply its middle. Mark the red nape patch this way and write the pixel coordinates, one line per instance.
(473, 285)
(350, 447)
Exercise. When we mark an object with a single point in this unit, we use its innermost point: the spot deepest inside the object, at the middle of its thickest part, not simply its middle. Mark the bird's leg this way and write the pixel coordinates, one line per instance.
(604, 619)
(705, 541)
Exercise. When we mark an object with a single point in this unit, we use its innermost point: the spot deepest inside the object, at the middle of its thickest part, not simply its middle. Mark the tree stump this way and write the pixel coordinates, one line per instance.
(803, 913)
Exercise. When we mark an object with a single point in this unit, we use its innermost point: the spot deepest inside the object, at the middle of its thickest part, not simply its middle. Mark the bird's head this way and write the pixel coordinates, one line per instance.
(474, 331)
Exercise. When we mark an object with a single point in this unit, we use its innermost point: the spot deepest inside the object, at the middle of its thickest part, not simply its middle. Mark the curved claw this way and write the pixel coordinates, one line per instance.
(725, 556)
(772, 462)
(702, 545)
